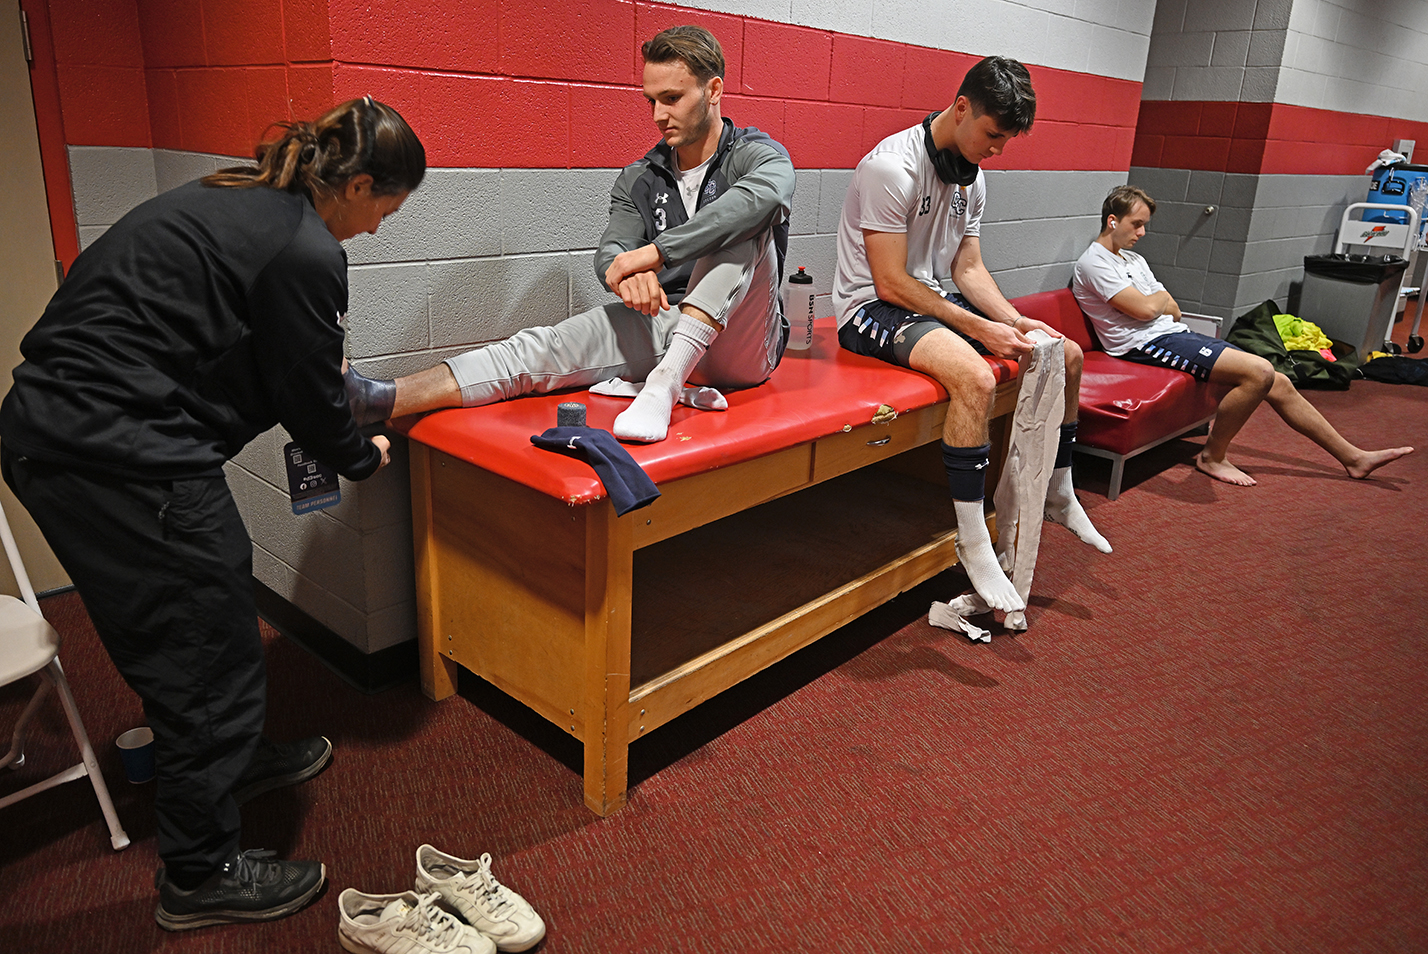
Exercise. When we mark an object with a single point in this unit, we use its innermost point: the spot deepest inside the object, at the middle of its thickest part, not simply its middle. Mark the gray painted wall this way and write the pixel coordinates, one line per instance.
(472, 257)
(1327, 54)
(1252, 247)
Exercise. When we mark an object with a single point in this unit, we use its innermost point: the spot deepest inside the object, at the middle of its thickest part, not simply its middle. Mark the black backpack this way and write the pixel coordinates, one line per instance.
(1396, 369)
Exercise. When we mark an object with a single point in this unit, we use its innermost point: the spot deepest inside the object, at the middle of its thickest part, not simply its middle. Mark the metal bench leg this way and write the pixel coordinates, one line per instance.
(1118, 469)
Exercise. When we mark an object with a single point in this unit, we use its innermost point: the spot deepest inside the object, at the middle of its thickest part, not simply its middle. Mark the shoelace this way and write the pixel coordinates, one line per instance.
(252, 866)
(498, 900)
(428, 921)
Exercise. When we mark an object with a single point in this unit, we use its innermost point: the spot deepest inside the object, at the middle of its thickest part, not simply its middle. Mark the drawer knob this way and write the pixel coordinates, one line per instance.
(880, 442)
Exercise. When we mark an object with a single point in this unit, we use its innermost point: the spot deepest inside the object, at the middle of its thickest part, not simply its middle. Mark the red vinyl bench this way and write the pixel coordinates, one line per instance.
(1126, 408)
(795, 511)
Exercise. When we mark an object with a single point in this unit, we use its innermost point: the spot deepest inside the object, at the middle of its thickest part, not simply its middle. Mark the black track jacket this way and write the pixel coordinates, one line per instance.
(198, 321)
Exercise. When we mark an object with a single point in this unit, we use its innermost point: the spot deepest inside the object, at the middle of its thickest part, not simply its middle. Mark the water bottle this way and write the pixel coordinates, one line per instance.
(798, 309)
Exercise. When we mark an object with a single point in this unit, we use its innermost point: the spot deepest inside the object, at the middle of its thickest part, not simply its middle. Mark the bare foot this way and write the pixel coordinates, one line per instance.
(1225, 471)
(1373, 460)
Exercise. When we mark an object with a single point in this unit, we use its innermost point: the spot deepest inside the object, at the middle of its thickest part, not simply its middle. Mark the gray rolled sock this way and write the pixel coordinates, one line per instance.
(371, 399)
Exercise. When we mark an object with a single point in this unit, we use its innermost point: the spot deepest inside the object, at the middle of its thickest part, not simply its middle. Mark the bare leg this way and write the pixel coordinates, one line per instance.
(1075, 358)
(969, 383)
(1305, 418)
(968, 380)
(1250, 378)
(426, 391)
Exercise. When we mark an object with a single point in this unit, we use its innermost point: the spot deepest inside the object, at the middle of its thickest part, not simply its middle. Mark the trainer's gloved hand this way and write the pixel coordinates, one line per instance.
(371, 399)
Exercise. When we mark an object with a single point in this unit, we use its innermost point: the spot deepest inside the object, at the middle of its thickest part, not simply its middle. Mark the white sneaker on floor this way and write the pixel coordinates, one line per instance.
(486, 904)
(404, 923)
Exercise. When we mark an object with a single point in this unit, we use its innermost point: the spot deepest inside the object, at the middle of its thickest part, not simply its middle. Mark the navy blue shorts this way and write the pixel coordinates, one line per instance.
(1195, 354)
(888, 332)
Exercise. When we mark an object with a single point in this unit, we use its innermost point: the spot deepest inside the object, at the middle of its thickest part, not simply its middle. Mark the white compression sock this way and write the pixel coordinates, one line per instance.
(1062, 507)
(647, 419)
(974, 551)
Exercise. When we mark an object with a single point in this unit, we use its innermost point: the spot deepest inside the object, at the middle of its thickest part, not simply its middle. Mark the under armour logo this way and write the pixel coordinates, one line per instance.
(661, 198)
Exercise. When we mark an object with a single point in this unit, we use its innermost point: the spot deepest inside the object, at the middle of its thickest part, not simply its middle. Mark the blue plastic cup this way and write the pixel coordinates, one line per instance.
(136, 751)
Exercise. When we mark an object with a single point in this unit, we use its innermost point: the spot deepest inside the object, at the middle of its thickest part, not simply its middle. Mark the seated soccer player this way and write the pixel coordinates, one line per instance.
(1137, 319)
(694, 249)
(911, 222)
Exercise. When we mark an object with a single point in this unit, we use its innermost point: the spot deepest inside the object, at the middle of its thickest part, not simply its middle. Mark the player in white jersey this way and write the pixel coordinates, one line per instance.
(911, 223)
(1137, 319)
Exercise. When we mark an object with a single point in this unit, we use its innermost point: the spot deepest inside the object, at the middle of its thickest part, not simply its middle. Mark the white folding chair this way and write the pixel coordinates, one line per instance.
(29, 645)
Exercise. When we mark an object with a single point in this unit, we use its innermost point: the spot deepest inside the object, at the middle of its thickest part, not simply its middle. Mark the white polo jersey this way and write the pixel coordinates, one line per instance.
(895, 189)
(1102, 275)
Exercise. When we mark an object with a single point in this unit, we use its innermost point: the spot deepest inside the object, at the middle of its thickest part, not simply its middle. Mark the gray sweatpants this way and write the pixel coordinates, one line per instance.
(737, 286)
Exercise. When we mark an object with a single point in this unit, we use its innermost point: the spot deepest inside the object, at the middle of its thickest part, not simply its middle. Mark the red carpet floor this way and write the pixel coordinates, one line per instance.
(1213, 739)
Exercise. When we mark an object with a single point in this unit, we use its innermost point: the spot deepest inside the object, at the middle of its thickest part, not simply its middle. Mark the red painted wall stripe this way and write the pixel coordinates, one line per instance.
(1263, 138)
(549, 86)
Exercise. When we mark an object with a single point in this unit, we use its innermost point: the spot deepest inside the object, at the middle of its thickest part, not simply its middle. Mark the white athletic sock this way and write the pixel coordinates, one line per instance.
(647, 419)
(974, 551)
(1062, 507)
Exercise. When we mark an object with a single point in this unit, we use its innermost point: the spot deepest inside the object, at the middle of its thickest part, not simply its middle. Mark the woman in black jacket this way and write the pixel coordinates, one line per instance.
(198, 321)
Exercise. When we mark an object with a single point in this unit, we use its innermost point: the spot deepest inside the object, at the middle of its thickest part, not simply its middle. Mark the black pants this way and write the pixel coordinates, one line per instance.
(165, 570)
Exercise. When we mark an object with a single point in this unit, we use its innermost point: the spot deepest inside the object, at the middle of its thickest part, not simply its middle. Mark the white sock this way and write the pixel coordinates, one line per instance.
(706, 399)
(647, 419)
(974, 551)
(1062, 507)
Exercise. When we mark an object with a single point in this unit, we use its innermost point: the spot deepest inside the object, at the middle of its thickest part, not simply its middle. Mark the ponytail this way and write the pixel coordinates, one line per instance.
(361, 136)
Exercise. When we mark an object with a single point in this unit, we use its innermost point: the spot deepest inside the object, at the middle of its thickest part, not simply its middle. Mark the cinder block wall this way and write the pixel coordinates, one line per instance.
(1268, 111)
(525, 126)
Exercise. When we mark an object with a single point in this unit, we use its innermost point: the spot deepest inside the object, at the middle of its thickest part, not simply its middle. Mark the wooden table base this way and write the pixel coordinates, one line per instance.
(612, 626)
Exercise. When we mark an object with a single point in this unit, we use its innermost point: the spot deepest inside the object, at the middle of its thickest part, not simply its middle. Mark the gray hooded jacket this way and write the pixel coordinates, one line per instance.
(747, 189)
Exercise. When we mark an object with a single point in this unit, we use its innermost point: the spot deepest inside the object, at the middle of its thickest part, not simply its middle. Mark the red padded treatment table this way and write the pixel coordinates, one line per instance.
(774, 528)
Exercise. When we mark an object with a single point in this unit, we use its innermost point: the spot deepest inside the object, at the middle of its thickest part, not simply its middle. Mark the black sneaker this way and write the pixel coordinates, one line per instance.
(251, 887)
(276, 764)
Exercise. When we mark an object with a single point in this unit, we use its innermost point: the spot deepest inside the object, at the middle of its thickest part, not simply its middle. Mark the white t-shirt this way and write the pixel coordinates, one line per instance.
(689, 183)
(895, 189)
(1100, 276)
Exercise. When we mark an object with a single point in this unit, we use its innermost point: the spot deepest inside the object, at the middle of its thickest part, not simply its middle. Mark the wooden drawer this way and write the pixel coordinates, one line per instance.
(861, 446)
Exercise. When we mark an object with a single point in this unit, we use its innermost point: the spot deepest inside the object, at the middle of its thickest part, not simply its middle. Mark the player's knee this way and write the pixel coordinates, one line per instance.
(968, 383)
(1262, 375)
(978, 379)
(1075, 357)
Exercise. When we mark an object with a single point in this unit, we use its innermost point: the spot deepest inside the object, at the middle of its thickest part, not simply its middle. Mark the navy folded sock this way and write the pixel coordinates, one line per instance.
(625, 481)
(967, 470)
(1063, 449)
